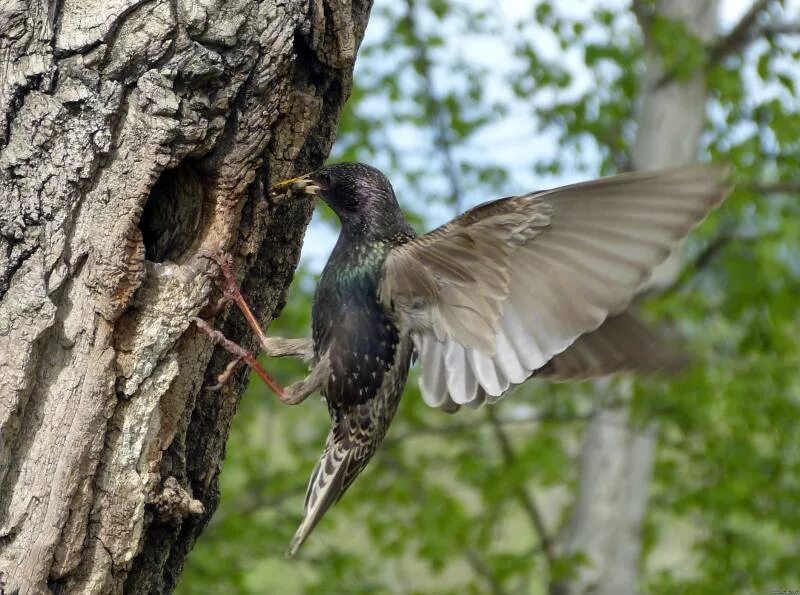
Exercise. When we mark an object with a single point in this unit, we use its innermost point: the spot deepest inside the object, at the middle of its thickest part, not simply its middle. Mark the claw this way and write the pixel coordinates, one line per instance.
(216, 255)
(225, 375)
(232, 293)
(211, 310)
(228, 285)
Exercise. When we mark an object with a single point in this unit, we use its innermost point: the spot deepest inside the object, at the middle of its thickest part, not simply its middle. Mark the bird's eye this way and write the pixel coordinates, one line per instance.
(324, 180)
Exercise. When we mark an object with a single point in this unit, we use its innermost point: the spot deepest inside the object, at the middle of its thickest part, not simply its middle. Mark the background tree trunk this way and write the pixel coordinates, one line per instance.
(617, 455)
(132, 134)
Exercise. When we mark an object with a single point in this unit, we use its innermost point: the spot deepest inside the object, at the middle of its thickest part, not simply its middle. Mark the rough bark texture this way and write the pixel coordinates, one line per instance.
(133, 133)
(616, 460)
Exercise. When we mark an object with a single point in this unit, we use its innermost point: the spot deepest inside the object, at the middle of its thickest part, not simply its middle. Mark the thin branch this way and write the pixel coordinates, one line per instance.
(526, 500)
(481, 568)
(441, 130)
(473, 558)
(643, 12)
(780, 29)
(743, 33)
(775, 187)
(453, 428)
(708, 254)
(702, 261)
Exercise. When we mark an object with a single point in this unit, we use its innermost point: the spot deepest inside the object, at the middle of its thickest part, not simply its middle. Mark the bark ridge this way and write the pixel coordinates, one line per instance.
(133, 133)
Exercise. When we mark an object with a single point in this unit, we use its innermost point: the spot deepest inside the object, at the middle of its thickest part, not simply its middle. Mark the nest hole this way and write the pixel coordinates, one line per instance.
(173, 214)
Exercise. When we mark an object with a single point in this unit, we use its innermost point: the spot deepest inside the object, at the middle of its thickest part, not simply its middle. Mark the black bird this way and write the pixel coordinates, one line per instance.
(528, 285)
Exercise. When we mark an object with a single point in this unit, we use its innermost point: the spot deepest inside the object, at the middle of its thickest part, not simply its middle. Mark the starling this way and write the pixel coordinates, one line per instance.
(530, 285)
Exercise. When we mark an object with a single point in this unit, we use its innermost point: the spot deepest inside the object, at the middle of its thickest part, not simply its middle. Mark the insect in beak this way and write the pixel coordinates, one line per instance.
(296, 186)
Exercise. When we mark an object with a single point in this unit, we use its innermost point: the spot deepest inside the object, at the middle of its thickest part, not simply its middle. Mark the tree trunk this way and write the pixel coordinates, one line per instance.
(616, 459)
(134, 133)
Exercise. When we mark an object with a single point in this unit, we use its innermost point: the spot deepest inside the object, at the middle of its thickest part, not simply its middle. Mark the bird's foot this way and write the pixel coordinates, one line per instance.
(230, 289)
(214, 308)
(227, 284)
(224, 376)
(232, 293)
(242, 355)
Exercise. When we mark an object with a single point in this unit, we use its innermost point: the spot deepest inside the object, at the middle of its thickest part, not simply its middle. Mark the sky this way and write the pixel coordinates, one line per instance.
(511, 140)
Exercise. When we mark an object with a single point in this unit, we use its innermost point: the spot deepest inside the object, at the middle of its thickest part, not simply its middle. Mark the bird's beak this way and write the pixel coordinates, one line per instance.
(301, 185)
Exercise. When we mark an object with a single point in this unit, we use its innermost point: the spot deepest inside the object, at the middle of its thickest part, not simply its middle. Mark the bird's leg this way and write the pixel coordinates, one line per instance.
(232, 292)
(272, 346)
(242, 355)
(293, 394)
(298, 392)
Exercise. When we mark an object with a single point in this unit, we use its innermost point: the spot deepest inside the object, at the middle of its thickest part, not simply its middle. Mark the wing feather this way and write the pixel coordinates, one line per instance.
(434, 374)
(538, 284)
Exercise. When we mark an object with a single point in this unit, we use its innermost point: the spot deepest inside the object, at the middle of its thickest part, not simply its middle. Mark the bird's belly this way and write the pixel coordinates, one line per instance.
(364, 424)
(363, 344)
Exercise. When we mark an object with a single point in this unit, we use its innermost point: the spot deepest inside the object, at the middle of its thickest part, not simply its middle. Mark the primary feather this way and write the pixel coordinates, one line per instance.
(549, 268)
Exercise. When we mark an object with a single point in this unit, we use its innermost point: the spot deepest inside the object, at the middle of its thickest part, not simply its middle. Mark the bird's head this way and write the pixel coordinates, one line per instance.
(360, 195)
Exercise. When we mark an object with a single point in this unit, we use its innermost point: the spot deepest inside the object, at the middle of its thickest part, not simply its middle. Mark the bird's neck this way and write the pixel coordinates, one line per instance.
(374, 227)
(359, 254)
(354, 259)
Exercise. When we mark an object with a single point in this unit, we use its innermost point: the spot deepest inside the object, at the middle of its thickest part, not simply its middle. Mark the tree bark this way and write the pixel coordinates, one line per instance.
(132, 134)
(616, 460)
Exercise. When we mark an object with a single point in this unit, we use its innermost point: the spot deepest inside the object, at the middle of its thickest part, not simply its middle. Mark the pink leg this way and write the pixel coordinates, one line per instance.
(242, 355)
(231, 292)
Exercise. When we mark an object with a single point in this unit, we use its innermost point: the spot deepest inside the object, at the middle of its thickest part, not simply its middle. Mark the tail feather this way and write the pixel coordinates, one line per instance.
(356, 432)
(331, 477)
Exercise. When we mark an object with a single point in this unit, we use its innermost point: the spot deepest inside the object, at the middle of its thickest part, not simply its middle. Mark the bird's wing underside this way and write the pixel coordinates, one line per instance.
(497, 293)
(621, 343)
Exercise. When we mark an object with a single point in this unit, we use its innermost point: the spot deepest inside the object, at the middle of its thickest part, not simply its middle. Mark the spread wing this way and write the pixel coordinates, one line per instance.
(497, 293)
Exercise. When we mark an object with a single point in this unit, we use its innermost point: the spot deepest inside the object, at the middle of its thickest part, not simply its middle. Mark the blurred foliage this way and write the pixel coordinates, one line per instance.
(445, 507)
